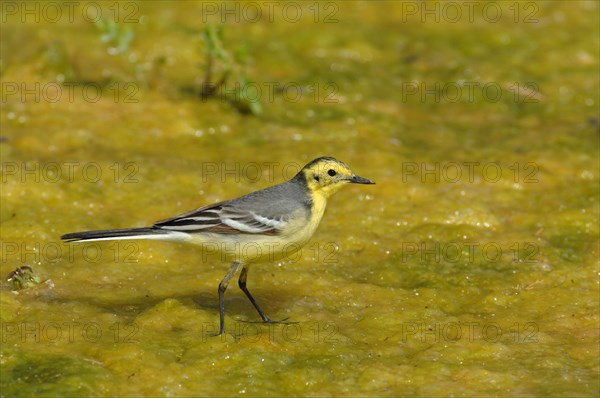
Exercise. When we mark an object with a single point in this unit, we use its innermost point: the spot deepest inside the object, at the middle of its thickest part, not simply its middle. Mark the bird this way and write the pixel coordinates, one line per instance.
(263, 225)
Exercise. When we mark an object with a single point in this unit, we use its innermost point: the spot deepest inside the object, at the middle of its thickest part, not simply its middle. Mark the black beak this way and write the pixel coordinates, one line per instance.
(360, 180)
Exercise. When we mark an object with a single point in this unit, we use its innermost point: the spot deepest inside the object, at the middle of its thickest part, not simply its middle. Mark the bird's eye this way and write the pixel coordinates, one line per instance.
(331, 172)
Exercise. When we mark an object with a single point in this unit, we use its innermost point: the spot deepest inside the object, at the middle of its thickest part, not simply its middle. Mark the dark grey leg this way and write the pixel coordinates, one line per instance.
(242, 285)
(222, 287)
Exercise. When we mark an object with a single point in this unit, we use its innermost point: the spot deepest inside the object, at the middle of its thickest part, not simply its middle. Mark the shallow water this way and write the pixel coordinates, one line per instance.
(471, 268)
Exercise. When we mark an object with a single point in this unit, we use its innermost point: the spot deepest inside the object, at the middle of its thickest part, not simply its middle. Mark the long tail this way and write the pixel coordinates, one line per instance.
(128, 233)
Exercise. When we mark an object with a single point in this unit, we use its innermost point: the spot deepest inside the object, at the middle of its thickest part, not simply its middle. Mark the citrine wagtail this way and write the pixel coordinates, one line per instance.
(277, 221)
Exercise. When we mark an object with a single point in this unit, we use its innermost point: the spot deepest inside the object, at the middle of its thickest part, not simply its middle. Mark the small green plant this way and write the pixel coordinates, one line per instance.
(118, 38)
(22, 278)
(219, 60)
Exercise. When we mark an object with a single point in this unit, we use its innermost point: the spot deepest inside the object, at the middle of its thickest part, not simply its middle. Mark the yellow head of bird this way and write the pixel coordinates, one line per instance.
(327, 175)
